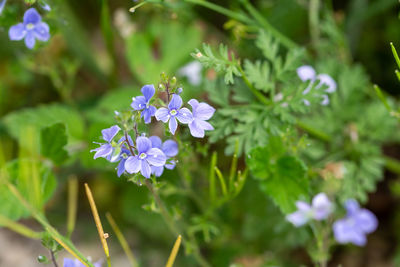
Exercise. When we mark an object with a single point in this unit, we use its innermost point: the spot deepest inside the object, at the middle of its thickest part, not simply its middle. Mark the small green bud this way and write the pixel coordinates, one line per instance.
(173, 81)
(42, 259)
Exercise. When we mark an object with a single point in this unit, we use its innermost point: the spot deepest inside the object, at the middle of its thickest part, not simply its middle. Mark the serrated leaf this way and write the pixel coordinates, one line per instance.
(281, 177)
(258, 74)
(53, 139)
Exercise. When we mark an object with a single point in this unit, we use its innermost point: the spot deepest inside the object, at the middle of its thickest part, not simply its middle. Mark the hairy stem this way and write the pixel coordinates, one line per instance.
(255, 92)
(53, 258)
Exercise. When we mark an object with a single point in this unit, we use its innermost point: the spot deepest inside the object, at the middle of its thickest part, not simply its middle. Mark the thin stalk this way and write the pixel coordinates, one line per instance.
(313, 20)
(396, 56)
(72, 204)
(122, 240)
(262, 21)
(174, 252)
(224, 11)
(99, 226)
(53, 258)
(19, 228)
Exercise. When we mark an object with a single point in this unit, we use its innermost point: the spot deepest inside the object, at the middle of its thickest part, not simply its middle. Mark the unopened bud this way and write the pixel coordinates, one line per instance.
(199, 55)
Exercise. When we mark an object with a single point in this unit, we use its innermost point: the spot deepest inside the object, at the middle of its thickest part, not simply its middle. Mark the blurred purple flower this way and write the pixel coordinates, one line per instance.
(173, 112)
(319, 210)
(2, 4)
(106, 149)
(307, 73)
(76, 263)
(30, 29)
(169, 148)
(355, 226)
(201, 113)
(143, 103)
(192, 71)
(147, 156)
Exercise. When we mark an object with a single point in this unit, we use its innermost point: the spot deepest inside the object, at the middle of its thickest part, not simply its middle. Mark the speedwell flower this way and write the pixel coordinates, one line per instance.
(201, 112)
(320, 209)
(355, 226)
(146, 156)
(143, 103)
(30, 29)
(106, 149)
(173, 112)
(169, 148)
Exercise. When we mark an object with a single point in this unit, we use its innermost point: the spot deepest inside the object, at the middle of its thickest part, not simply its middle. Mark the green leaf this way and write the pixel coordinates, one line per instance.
(282, 177)
(258, 74)
(53, 140)
(20, 173)
(161, 47)
(43, 116)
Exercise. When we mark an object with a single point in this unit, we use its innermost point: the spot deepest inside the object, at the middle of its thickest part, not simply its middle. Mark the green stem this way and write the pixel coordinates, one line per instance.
(173, 228)
(255, 92)
(314, 132)
(267, 26)
(313, 18)
(224, 11)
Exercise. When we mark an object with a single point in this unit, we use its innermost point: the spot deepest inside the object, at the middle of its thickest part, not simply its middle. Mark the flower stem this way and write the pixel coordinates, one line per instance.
(255, 92)
(267, 26)
(313, 20)
(174, 228)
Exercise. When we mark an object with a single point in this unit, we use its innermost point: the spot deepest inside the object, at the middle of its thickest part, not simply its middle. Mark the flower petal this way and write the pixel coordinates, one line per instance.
(31, 16)
(192, 71)
(110, 133)
(155, 141)
(121, 167)
(170, 148)
(321, 206)
(352, 207)
(325, 79)
(184, 115)
(205, 125)
(297, 218)
(306, 73)
(366, 221)
(148, 91)
(157, 171)
(203, 111)
(2, 4)
(325, 100)
(143, 144)
(30, 39)
(68, 262)
(195, 129)
(145, 169)
(138, 103)
(42, 31)
(17, 32)
(103, 151)
(176, 102)
(194, 103)
(132, 164)
(156, 157)
(173, 125)
(162, 114)
(171, 165)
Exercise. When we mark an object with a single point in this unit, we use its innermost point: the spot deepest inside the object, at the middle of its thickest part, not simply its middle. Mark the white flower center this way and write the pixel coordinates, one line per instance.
(142, 155)
(30, 26)
(173, 112)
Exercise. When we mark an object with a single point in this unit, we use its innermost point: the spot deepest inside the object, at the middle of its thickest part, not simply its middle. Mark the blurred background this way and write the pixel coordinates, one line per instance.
(95, 63)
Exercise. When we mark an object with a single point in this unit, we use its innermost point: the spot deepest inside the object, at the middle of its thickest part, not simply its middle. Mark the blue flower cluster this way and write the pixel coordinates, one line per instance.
(31, 29)
(351, 229)
(150, 155)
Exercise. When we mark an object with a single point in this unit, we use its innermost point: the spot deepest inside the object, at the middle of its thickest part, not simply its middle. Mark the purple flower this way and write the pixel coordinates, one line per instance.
(355, 226)
(319, 210)
(173, 112)
(76, 263)
(143, 103)
(2, 4)
(201, 113)
(146, 156)
(307, 73)
(106, 149)
(169, 148)
(31, 29)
